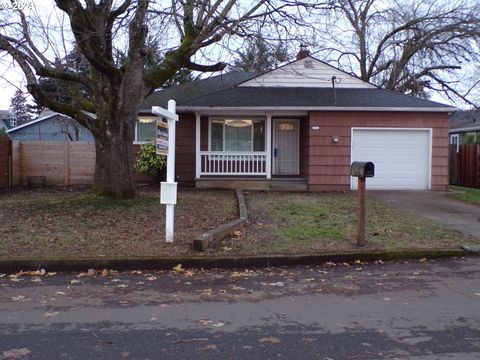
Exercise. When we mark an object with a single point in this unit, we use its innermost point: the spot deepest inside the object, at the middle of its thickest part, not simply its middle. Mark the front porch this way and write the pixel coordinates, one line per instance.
(252, 151)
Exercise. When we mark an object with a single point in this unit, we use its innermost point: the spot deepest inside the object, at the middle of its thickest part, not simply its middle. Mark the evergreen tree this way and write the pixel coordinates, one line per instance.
(20, 108)
(260, 56)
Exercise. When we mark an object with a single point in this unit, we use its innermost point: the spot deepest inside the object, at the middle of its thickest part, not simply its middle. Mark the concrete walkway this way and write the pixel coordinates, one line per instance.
(435, 206)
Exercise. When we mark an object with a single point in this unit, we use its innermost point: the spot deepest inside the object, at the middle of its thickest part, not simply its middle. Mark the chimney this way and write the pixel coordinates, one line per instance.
(303, 53)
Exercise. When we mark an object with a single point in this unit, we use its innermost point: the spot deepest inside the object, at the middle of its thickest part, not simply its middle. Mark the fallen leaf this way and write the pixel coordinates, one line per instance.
(51, 273)
(89, 273)
(422, 260)
(51, 314)
(239, 288)
(2, 275)
(271, 340)
(178, 268)
(17, 298)
(16, 353)
(122, 286)
(151, 278)
(105, 272)
(74, 281)
(330, 263)
(59, 293)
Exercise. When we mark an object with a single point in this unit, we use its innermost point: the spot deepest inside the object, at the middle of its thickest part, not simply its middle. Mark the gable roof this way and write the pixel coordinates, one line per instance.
(464, 121)
(307, 72)
(45, 116)
(254, 91)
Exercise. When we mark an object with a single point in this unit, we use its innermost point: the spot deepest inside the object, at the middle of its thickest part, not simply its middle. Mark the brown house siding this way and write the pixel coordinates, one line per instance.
(185, 150)
(328, 164)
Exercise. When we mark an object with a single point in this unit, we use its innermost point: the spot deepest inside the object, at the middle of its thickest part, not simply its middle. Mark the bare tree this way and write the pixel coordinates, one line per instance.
(408, 46)
(111, 38)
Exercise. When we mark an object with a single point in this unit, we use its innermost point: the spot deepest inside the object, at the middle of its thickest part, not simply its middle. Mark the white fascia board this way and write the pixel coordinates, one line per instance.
(32, 122)
(464, 129)
(202, 109)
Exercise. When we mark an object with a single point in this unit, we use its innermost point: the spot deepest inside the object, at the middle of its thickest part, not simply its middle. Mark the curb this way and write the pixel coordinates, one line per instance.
(204, 241)
(471, 249)
(162, 263)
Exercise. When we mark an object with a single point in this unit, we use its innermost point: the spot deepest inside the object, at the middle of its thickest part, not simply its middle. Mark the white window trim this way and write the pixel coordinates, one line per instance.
(140, 142)
(253, 118)
(455, 136)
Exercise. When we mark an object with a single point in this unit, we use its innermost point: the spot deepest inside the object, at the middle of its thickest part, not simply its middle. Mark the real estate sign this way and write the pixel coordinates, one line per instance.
(162, 138)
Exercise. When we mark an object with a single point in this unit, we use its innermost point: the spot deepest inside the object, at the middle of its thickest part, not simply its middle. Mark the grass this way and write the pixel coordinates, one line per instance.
(326, 222)
(470, 195)
(77, 222)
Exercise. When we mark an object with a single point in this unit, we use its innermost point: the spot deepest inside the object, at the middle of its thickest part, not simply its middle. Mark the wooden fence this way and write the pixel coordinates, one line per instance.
(464, 165)
(62, 163)
(5, 162)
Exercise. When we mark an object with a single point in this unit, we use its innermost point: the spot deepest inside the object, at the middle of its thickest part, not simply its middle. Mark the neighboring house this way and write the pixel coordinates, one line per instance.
(50, 126)
(465, 127)
(303, 123)
(7, 121)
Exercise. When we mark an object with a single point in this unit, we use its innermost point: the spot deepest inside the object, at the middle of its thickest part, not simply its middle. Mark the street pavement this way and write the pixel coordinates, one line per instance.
(427, 309)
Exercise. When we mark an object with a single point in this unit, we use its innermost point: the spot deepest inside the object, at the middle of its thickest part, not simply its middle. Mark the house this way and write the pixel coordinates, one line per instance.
(6, 120)
(465, 127)
(50, 126)
(301, 125)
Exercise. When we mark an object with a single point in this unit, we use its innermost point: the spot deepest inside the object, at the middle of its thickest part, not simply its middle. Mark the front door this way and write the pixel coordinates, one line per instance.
(285, 147)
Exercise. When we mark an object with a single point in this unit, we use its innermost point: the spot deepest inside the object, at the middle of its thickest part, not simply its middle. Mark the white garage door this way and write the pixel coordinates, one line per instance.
(401, 158)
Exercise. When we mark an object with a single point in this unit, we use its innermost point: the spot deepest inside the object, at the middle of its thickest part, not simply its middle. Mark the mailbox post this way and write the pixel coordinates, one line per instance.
(361, 170)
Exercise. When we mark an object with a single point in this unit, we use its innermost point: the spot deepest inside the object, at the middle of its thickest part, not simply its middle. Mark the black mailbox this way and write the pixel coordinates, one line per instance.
(362, 169)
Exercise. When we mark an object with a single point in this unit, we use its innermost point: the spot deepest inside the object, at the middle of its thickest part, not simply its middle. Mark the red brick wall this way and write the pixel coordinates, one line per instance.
(328, 165)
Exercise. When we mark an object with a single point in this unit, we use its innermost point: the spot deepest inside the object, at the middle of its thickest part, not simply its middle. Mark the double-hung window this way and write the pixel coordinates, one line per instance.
(237, 134)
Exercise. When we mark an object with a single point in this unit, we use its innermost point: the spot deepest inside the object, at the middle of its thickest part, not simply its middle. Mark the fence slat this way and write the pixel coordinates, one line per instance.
(464, 165)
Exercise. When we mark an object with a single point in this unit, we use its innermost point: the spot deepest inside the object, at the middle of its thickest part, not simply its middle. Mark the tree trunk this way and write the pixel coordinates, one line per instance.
(113, 165)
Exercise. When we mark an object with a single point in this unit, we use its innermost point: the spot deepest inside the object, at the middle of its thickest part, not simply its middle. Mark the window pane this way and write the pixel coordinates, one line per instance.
(259, 135)
(146, 129)
(238, 135)
(216, 136)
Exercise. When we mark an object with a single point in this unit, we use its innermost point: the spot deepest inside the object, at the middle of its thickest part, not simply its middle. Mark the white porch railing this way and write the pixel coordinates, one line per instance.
(232, 163)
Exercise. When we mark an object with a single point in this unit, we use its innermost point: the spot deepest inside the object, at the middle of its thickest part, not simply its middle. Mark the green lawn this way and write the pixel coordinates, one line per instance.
(326, 222)
(470, 195)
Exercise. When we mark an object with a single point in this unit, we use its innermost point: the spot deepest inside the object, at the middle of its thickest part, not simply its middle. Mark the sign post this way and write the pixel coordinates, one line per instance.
(168, 189)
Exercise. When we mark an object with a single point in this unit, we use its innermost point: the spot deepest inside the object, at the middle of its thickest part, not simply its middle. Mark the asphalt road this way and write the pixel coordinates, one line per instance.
(402, 310)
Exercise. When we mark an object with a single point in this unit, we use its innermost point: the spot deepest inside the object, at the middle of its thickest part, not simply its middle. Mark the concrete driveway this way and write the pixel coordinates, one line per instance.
(435, 206)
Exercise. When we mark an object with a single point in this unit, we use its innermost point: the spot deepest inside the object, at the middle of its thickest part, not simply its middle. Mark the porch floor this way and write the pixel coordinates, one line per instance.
(253, 183)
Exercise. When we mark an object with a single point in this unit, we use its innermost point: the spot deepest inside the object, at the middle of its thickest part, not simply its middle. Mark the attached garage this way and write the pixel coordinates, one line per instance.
(402, 157)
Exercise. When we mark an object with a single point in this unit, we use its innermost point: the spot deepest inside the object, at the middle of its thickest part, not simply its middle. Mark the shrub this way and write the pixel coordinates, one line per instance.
(148, 162)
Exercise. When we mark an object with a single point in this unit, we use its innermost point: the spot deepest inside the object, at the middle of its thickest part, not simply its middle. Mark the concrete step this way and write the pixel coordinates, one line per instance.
(276, 184)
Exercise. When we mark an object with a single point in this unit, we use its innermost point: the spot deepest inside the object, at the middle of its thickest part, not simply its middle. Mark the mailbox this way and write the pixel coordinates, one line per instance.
(362, 169)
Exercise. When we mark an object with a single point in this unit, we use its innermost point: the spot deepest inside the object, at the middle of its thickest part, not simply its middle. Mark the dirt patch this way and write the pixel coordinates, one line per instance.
(75, 222)
(312, 223)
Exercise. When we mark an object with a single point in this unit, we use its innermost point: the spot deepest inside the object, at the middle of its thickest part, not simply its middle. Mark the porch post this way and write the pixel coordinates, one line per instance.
(198, 164)
(268, 145)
